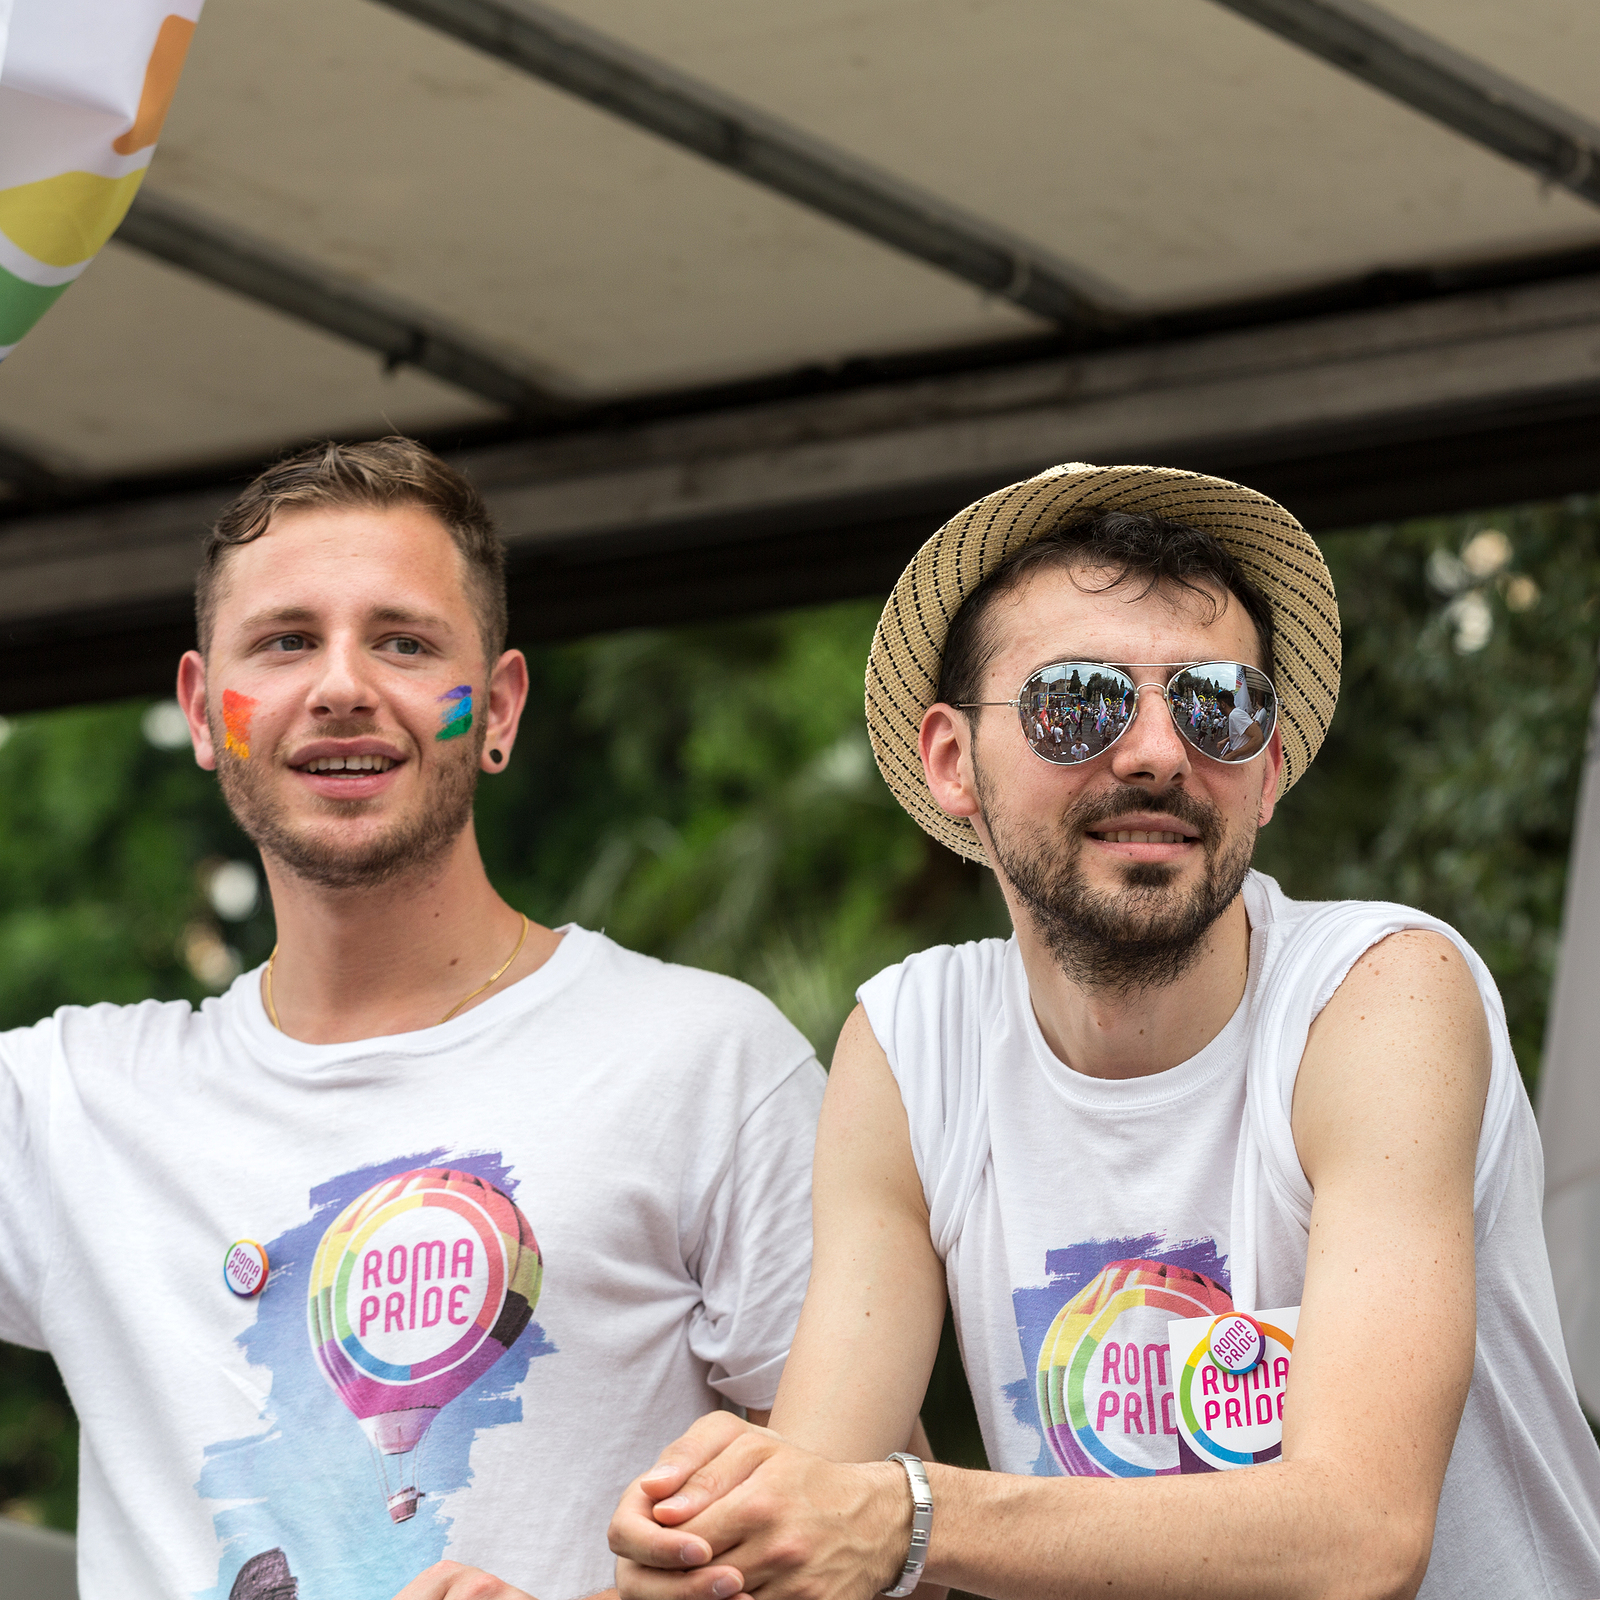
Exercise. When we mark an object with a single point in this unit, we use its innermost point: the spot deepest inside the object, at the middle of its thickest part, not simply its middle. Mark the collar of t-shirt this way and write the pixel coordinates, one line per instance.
(1225, 1052)
(247, 1013)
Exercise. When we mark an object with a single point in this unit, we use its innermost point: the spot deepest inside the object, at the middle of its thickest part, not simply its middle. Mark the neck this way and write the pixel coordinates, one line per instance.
(1131, 1034)
(394, 957)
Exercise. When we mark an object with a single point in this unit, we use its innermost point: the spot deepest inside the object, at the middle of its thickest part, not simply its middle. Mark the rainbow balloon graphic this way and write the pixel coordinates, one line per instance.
(1104, 1380)
(418, 1287)
(85, 86)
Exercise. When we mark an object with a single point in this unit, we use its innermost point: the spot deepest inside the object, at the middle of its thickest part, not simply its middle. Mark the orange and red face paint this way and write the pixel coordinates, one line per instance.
(237, 710)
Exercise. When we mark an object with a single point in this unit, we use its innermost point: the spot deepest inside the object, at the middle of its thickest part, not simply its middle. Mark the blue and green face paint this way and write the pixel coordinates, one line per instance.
(456, 717)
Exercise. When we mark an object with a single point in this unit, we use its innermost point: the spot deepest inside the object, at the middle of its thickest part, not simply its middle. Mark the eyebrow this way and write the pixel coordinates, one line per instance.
(411, 619)
(1163, 666)
(261, 619)
(290, 615)
(1119, 666)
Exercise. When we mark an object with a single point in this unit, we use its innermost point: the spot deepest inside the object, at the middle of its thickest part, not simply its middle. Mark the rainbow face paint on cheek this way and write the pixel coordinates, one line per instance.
(456, 718)
(237, 710)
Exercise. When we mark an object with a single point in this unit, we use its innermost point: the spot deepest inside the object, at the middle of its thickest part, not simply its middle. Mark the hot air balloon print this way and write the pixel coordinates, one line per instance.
(418, 1287)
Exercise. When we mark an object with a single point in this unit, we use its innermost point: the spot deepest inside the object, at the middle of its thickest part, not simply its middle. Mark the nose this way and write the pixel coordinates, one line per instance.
(1152, 751)
(343, 686)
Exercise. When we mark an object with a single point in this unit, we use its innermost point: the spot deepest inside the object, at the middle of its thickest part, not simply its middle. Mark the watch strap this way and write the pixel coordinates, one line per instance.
(921, 1525)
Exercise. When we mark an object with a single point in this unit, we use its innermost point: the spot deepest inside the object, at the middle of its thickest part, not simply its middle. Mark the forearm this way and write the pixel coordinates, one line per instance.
(1283, 1531)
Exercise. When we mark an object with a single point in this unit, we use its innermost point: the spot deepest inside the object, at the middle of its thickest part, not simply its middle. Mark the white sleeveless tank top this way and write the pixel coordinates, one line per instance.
(1180, 1194)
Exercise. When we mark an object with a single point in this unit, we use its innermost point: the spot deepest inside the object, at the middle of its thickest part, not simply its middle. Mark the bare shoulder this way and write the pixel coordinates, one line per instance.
(1403, 1043)
(858, 1049)
(864, 1131)
(860, 1081)
(1413, 977)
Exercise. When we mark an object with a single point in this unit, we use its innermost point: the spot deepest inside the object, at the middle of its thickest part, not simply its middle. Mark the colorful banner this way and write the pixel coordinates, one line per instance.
(85, 86)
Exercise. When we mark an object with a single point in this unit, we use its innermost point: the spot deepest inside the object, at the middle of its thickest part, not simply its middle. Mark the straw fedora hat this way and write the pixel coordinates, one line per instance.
(1278, 555)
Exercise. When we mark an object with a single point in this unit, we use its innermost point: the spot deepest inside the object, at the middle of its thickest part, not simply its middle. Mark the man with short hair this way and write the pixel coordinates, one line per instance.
(412, 1243)
(1236, 1200)
(1244, 734)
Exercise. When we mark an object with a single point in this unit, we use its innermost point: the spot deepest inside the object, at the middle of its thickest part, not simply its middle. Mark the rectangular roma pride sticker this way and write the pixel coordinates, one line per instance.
(1228, 1419)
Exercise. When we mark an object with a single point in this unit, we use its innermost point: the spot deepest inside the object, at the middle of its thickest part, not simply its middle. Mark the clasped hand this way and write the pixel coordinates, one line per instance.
(734, 1509)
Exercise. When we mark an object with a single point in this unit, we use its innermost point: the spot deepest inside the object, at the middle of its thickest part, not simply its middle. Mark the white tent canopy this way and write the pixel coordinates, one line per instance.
(726, 305)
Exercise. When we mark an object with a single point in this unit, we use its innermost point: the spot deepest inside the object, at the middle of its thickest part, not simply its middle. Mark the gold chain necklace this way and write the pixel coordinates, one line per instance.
(500, 972)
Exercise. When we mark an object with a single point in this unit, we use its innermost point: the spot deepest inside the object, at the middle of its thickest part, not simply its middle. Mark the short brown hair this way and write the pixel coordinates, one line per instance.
(378, 474)
(1128, 545)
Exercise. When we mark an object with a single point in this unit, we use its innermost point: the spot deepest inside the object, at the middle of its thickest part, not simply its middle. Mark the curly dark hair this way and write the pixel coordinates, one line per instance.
(1128, 547)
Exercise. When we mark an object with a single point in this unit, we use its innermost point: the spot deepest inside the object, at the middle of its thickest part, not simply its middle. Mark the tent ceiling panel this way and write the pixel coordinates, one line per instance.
(594, 250)
(1171, 150)
(199, 375)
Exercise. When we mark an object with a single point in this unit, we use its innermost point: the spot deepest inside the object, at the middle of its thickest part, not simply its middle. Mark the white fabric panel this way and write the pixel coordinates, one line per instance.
(1569, 1097)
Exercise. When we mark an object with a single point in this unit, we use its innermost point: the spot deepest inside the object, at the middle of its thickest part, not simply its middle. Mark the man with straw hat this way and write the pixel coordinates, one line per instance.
(1214, 1180)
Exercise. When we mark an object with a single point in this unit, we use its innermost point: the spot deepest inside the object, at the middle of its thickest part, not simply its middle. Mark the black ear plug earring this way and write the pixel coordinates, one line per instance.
(496, 757)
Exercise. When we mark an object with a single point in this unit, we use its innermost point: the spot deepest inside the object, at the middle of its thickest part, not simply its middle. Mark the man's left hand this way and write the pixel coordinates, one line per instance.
(449, 1580)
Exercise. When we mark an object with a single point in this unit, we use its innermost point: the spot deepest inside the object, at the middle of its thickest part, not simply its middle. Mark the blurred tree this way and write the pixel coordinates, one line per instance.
(1450, 775)
(708, 795)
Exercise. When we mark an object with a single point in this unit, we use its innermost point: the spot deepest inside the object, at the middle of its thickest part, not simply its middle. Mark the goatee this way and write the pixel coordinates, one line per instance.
(1150, 933)
(411, 844)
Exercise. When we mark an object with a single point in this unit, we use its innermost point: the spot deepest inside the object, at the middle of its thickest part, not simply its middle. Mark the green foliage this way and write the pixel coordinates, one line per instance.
(707, 795)
(38, 1441)
(1450, 776)
(103, 842)
(712, 799)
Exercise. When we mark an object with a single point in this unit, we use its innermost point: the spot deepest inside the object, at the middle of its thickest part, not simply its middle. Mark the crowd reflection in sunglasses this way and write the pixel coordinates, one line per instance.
(1075, 719)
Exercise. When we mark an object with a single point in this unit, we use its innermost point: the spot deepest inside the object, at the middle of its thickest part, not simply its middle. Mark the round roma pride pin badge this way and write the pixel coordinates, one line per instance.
(1236, 1342)
(244, 1268)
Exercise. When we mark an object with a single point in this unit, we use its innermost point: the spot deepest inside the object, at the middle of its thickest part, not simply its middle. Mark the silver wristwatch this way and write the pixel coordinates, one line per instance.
(921, 1526)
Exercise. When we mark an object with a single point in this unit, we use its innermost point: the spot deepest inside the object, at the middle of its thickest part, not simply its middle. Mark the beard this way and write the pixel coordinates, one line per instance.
(409, 844)
(1148, 934)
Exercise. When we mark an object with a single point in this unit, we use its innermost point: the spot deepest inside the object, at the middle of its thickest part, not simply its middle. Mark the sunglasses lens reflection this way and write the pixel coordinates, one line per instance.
(1075, 709)
(1225, 709)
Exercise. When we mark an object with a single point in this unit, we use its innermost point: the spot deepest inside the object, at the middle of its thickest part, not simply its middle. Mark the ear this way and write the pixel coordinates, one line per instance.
(945, 743)
(1271, 778)
(507, 695)
(192, 698)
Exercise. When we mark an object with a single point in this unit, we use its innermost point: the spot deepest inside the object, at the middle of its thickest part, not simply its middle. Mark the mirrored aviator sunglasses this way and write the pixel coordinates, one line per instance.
(1073, 711)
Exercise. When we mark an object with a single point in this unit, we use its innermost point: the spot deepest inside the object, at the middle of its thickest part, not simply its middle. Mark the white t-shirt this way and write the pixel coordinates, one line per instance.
(1076, 1216)
(619, 1146)
(1238, 726)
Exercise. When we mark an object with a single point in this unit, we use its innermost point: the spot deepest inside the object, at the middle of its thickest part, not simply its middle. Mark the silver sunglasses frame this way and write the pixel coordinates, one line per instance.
(1138, 689)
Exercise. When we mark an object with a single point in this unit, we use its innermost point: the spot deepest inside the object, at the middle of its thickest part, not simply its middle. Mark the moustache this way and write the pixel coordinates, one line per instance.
(1118, 802)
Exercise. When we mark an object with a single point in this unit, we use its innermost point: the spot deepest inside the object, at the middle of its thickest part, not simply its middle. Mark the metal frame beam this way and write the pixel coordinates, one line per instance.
(22, 473)
(403, 334)
(658, 98)
(1442, 83)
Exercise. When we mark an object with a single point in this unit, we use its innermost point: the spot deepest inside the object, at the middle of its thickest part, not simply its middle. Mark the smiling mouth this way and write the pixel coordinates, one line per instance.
(349, 764)
(1138, 836)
